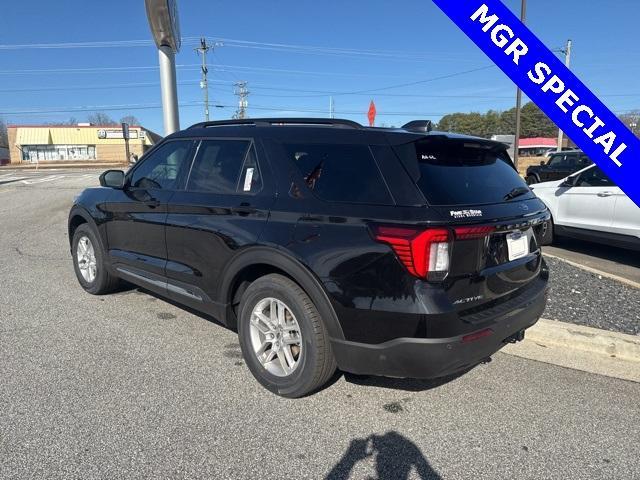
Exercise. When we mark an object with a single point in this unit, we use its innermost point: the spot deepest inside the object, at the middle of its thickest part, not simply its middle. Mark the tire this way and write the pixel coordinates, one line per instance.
(313, 362)
(531, 179)
(96, 280)
(548, 235)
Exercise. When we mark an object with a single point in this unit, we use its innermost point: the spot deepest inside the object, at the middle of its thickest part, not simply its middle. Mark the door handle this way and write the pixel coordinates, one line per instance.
(605, 194)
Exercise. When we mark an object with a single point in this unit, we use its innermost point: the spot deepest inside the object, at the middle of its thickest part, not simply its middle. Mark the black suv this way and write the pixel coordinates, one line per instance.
(396, 252)
(559, 166)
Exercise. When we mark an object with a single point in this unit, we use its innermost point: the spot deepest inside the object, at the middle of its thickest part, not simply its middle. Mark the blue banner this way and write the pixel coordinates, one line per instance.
(552, 86)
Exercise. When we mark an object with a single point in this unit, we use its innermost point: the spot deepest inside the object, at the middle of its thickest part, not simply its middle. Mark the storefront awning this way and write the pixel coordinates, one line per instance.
(33, 136)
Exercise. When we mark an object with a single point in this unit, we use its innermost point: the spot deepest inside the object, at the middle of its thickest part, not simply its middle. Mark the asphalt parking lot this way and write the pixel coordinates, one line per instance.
(131, 386)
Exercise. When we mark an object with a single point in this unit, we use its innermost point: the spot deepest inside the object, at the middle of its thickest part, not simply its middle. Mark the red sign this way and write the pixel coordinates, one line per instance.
(371, 114)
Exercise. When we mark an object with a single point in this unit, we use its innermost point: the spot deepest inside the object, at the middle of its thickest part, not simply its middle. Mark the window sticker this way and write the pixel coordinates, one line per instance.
(248, 180)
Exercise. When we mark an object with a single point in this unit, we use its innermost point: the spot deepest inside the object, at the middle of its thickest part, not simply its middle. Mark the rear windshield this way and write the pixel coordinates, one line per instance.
(460, 172)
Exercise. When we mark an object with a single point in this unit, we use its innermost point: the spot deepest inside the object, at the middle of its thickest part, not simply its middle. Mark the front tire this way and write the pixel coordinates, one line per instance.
(283, 339)
(531, 180)
(89, 262)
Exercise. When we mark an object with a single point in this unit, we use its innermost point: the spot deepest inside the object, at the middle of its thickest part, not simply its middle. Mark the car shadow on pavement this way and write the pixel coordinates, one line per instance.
(407, 384)
(394, 457)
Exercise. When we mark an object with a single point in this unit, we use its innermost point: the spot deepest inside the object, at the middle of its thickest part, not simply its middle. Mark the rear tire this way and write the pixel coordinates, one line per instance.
(531, 180)
(547, 233)
(89, 262)
(289, 353)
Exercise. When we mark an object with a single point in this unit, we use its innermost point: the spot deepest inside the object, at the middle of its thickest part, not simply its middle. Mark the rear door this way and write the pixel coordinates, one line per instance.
(590, 203)
(626, 215)
(135, 229)
(223, 208)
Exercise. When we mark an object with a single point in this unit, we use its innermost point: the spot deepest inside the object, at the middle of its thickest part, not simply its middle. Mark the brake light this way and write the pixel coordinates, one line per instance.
(468, 233)
(425, 253)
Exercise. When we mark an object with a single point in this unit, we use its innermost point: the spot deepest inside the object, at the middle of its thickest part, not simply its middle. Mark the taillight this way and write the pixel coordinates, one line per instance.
(468, 233)
(424, 252)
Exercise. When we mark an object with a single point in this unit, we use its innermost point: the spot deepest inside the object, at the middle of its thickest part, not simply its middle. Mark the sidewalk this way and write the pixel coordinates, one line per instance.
(59, 165)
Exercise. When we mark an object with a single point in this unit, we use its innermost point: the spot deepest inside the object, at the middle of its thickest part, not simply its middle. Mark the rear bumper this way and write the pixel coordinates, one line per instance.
(437, 357)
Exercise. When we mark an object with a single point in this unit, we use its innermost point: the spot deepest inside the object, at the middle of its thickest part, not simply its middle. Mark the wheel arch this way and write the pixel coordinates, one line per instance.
(77, 217)
(255, 262)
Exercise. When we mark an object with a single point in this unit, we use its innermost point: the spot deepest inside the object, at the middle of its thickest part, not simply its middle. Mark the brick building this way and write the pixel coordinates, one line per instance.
(75, 143)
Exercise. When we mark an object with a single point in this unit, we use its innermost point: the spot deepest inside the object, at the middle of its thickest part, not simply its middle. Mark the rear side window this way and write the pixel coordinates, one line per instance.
(340, 173)
(459, 172)
(225, 167)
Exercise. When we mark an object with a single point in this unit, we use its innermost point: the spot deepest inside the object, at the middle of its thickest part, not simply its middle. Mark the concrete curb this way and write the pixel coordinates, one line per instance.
(582, 348)
(611, 276)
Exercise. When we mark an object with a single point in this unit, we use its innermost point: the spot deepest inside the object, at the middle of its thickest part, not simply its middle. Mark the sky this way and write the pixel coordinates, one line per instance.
(294, 56)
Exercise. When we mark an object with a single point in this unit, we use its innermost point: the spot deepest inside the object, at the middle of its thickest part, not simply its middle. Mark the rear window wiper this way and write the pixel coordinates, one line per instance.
(516, 192)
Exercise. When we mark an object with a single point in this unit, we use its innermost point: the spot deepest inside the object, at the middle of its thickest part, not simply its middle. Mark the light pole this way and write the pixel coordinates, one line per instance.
(165, 28)
(516, 143)
(633, 126)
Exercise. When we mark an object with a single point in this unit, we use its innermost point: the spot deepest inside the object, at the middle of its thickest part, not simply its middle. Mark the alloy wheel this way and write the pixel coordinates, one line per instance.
(86, 258)
(275, 337)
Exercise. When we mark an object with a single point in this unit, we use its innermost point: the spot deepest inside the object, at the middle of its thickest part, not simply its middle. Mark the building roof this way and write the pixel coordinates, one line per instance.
(99, 127)
(538, 142)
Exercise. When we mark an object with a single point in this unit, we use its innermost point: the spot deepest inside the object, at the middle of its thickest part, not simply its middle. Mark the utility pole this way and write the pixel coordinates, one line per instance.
(204, 84)
(516, 143)
(567, 62)
(165, 28)
(331, 108)
(243, 94)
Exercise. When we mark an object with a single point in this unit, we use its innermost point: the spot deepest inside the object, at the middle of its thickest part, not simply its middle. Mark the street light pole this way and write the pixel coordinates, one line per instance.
(165, 28)
(169, 90)
(516, 143)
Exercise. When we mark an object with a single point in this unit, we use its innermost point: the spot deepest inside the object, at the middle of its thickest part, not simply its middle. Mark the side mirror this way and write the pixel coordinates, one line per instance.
(542, 162)
(569, 182)
(112, 179)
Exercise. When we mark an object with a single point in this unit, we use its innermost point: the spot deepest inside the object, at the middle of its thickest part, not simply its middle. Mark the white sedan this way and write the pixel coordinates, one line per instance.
(589, 206)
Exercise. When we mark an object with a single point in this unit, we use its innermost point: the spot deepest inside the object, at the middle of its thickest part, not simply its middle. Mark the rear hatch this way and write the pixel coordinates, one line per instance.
(493, 218)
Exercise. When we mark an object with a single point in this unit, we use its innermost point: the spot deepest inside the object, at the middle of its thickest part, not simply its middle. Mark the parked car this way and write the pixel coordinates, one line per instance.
(559, 166)
(396, 252)
(589, 206)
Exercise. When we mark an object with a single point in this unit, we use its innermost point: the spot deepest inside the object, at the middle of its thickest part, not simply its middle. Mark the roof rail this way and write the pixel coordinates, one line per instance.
(419, 126)
(266, 122)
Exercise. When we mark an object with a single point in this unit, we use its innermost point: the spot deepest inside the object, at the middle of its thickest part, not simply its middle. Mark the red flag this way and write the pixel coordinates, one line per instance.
(371, 114)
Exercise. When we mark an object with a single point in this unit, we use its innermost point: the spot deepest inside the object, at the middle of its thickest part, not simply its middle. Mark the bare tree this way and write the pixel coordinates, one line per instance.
(102, 119)
(4, 140)
(130, 119)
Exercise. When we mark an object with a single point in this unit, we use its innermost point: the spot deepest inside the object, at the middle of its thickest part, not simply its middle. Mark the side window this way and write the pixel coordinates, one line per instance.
(594, 177)
(556, 160)
(340, 173)
(225, 167)
(161, 168)
(571, 161)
